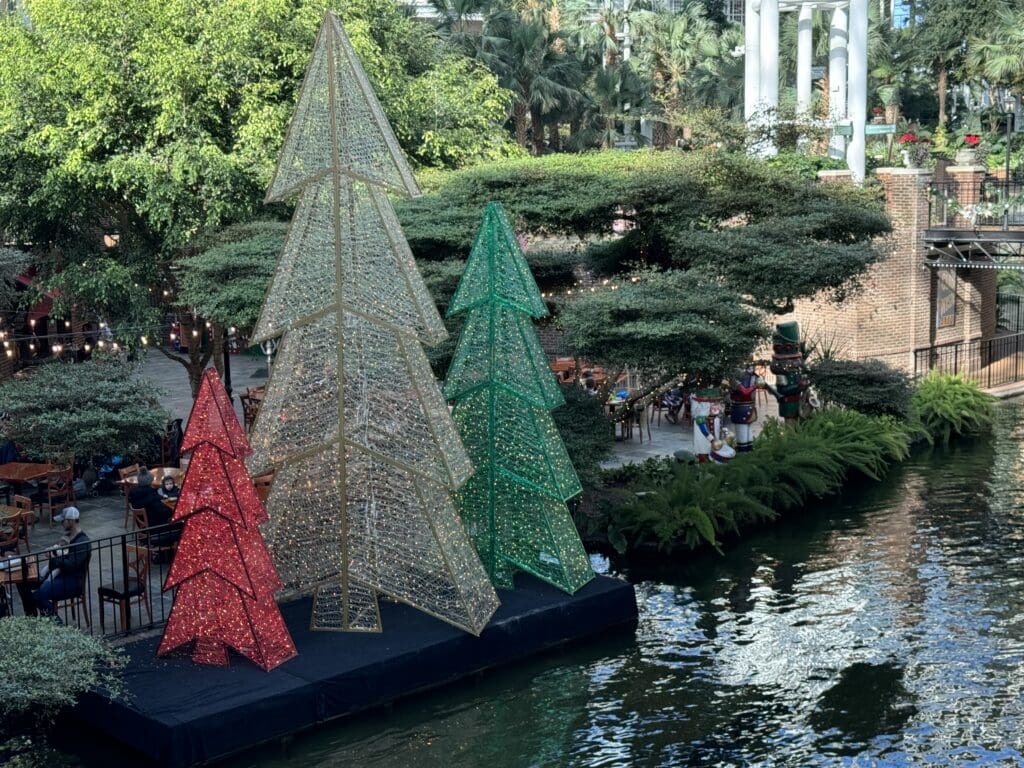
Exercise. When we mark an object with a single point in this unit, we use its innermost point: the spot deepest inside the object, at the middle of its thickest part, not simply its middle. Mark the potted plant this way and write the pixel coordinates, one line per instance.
(916, 149)
(969, 144)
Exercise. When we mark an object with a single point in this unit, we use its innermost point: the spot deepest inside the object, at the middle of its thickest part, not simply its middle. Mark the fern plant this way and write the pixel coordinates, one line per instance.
(948, 405)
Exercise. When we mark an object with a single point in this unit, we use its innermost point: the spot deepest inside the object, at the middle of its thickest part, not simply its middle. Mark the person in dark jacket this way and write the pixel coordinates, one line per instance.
(69, 564)
(145, 496)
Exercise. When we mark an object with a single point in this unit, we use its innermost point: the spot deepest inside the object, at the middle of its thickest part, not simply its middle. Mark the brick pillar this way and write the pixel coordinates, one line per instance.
(835, 177)
(903, 320)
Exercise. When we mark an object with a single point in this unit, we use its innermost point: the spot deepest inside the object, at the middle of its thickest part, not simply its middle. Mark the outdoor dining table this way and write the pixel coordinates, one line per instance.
(24, 576)
(24, 471)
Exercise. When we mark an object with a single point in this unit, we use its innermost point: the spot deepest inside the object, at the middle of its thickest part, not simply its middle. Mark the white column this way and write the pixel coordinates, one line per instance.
(837, 78)
(751, 58)
(804, 43)
(858, 95)
(769, 96)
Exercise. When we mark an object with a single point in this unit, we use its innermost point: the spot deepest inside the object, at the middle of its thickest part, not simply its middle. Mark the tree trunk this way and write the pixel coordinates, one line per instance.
(554, 137)
(197, 359)
(217, 348)
(941, 86)
(519, 120)
(537, 131)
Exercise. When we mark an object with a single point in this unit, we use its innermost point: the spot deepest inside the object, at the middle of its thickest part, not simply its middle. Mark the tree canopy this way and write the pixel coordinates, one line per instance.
(711, 241)
(81, 410)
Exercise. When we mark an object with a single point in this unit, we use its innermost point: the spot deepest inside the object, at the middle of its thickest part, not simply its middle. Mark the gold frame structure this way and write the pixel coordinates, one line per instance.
(354, 425)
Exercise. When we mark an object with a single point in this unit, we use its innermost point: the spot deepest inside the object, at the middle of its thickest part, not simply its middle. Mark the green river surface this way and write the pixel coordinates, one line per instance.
(882, 628)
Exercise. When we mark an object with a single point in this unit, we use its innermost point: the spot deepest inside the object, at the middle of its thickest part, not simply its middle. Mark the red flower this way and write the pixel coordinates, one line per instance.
(972, 140)
(877, 110)
(907, 138)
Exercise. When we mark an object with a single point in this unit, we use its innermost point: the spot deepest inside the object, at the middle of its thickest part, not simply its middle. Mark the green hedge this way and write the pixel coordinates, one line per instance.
(868, 386)
(682, 506)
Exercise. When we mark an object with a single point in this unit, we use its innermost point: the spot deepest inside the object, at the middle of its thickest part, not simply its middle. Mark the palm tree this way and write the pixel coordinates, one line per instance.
(670, 46)
(456, 23)
(999, 56)
(528, 54)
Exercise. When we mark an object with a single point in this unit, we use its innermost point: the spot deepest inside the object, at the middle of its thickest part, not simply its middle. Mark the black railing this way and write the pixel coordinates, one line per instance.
(1010, 312)
(1002, 204)
(990, 362)
(122, 592)
(942, 204)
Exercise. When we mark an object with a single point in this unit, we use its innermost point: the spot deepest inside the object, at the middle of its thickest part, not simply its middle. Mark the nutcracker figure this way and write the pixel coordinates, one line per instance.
(791, 383)
(708, 439)
(742, 391)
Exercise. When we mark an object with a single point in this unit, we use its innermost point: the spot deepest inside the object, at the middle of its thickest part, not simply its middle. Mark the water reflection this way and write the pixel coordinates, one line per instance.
(885, 628)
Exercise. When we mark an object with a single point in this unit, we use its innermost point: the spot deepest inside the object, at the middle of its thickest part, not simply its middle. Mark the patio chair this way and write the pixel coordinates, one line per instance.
(75, 602)
(10, 537)
(123, 474)
(60, 489)
(159, 544)
(263, 483)
(136, 589)
(28, 518)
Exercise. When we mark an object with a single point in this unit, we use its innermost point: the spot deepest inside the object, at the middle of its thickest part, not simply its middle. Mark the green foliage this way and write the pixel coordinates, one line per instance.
(226, 281)
(80, 410)
(44, 667)
(12, 264)
(804, 166)
(586, 432)
(868, 386)
(664, 321)
(948, 405)
(692, 507)
(685, 505)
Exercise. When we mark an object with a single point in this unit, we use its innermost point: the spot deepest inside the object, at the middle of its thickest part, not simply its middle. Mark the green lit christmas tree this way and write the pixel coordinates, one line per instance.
(514, 505)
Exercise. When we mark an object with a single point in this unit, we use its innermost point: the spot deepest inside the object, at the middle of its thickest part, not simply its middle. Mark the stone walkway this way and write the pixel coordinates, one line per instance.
(667, 438)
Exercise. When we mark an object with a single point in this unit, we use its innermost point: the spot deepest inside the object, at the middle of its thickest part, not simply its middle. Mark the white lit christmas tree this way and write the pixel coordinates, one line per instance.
(354, 426)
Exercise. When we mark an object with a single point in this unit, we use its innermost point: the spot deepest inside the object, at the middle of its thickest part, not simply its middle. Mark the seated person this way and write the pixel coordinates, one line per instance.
(674, 399)
(68, 566)
(168, 488)
(145, 496)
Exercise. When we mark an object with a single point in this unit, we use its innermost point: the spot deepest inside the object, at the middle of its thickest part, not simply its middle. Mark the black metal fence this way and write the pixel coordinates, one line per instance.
(942, 204)
(1002, 204)
(1010, 312)
(121, 592)
(990, 362)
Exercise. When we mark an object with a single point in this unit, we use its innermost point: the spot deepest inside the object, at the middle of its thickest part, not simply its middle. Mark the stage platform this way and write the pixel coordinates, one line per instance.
(179, 714)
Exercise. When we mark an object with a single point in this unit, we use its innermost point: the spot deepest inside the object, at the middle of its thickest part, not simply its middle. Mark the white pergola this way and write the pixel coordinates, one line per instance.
(847, 68)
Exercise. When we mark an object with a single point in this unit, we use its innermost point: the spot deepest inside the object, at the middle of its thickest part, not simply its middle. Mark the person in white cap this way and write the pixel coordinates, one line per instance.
(69, 565)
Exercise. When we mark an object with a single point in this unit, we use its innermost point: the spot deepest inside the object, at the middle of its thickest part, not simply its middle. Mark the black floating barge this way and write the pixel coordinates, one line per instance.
(179, 714)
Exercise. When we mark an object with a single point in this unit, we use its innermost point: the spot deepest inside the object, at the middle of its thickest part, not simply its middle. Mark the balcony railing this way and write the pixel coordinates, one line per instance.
(115, 566)
(989, 362)
(1000, 206)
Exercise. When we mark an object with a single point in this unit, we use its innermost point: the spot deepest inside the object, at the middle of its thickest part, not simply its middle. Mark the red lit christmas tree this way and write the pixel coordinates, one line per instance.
(222, 570)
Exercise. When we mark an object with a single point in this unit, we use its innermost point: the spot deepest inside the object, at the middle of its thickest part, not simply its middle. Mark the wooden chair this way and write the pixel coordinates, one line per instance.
(250, 409)
(76, 601)
(123, 474)
(141, 521)
(10, 537)
(28, 517)
(60, 489)
(657, 406)
(136, 588)
(263, 483)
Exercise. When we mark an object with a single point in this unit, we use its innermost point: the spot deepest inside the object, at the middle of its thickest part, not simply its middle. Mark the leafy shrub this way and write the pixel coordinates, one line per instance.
(868, 386)
(586, 432)
(790, 464)
(692, 507)
(82, 410)
(44, 667)
(948, 405)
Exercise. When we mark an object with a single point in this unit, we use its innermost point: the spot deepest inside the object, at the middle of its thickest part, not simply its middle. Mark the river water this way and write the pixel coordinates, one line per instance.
(884, 628)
